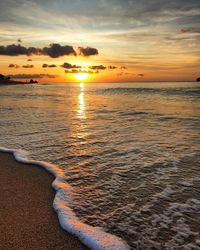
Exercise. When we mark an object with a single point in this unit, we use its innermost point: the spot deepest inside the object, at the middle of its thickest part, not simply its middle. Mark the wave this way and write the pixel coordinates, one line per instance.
(93, 237)
(163, 91)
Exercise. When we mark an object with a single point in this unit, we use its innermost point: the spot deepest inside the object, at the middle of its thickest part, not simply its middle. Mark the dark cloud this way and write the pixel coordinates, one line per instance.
(190, 30)
(97, 67)
(123, 73)
(70, 66)
(27, 76)
(56, 50)
(112, 67)
(141, 75)
(185, 30)
(45, 65)
(28, 66)
(88, 51)
(12, 65)
(77, 71)
(74, 69)
(148, 22)
(16, 50)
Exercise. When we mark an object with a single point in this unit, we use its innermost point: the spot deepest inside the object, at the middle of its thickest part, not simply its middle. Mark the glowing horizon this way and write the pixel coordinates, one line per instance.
(110, 41)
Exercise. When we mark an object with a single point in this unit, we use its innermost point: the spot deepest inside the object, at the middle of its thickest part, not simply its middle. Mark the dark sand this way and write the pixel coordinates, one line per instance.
(27, 218)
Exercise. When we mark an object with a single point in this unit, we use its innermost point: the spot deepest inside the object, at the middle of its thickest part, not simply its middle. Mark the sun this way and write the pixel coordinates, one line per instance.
(81, 76)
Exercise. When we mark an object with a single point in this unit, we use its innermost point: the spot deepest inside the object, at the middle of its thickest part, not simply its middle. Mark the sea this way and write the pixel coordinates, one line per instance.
(126, 157)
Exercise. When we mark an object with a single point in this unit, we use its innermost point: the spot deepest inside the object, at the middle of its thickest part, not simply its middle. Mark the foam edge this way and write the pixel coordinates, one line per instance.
(93, 237)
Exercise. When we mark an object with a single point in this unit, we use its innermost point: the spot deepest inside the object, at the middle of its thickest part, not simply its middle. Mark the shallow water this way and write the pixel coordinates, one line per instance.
(130, 151)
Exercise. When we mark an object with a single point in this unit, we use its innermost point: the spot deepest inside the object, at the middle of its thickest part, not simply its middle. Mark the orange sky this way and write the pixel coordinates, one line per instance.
(140, 41)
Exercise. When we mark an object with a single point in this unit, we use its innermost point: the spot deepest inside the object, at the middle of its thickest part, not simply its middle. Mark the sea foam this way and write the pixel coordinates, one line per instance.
(93, 237)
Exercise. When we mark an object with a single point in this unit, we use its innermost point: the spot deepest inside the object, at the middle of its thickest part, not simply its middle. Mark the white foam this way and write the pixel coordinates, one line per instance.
(93, 237)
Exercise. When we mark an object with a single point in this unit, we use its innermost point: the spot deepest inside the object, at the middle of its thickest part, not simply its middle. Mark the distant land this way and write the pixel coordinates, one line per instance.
(7, 81)
(10, 82)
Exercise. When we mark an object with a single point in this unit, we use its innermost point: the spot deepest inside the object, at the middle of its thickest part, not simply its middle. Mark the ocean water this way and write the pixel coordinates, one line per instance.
(128, 155)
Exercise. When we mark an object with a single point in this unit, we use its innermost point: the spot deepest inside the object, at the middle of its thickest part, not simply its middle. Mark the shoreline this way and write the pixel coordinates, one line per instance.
(28, 220)
(76, 234)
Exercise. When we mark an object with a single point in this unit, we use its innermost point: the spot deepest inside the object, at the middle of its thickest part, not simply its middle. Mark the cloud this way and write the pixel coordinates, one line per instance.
(80, 71)
(75, 69)
(123, 73)
(16, 50)
(27, 76)
(45, 65)
(144, 24)
(28, 66)
(97, 67)
(112, 67)
(16, 66)
(88, 51)
(190, 30)
(70, 66)
(29, 60)
(54, 50)
(141, 75)
(185, 30)
(11, 65)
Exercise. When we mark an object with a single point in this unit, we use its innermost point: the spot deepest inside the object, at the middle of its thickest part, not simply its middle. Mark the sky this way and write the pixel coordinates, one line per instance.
(106, 40)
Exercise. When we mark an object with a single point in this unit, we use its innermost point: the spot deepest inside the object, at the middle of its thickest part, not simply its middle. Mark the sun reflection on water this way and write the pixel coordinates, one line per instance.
(81, 102)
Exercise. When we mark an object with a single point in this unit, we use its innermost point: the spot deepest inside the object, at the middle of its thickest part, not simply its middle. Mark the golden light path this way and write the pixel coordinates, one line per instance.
(81, 98)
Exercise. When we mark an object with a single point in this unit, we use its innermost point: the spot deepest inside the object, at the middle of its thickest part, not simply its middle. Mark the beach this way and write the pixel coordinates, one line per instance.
(126, 158)
(27, 219)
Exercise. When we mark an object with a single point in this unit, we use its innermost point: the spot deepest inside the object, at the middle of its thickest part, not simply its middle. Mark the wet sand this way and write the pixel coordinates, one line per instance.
(27, 218)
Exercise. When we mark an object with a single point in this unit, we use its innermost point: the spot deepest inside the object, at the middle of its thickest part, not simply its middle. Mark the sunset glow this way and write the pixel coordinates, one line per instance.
(81, 76)
(103, 95)
(100, 41)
